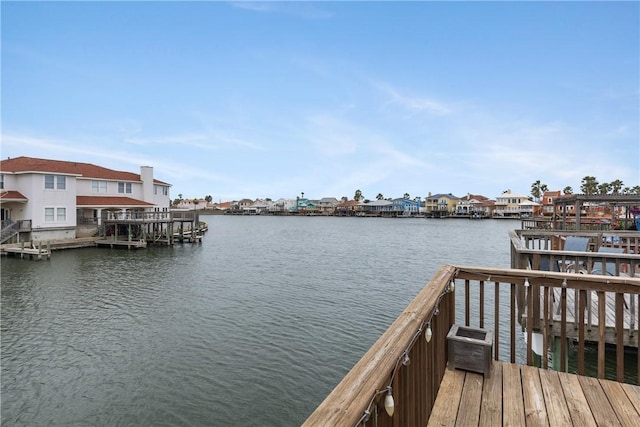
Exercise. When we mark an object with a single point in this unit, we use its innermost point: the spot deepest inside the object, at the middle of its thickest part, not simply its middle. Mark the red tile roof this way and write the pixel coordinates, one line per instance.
(12, 195)
(86, 170)
(110, 201)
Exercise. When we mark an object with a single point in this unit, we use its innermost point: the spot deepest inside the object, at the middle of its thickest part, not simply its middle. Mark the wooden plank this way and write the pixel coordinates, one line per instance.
(576, 400)
(626, 413)
(469, 411)
(600, 406)
(445, 409)
(535, 412)
(491, 404)
(556, 405)
(633, 393)
(513, 406)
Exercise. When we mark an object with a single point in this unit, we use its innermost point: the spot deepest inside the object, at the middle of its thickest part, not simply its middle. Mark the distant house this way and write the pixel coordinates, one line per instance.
(441, 203)
(52, 198)
(405, 207)
(547, 202)
(377, 207)
(192, 204)
(327, 205)
(508, 204)
(475, 204)
(348, 208)
(282, 206)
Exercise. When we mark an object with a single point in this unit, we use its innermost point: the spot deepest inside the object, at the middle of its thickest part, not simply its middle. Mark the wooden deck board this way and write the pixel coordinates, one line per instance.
(491, 403)
(445, 412)
(576, 400)
(469, 410)
(513, 405)
(527, 396)
(535, 411)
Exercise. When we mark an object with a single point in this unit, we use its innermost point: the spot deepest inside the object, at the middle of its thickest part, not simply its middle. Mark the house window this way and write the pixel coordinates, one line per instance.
(55, 182)
(124, 187)
(1, 181)
(155, 189)
(55, 214)
(48, 215)
(99, 186)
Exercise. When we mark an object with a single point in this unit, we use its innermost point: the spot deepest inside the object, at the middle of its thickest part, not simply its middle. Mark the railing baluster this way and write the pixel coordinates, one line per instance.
(467, 303)
(563, 330)
(545, 328)
(601, 332)
(513, 323)
(619, 337)
(582, 296)
(481, 323)
(496, 318)
(530, 294)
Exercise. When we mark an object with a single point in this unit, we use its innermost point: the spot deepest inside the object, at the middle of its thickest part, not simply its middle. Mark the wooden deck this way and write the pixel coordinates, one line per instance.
(520, 395)
(629, 322)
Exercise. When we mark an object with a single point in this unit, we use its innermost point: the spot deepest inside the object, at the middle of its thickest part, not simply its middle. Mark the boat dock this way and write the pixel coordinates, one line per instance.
(129, 244)
(36, 251)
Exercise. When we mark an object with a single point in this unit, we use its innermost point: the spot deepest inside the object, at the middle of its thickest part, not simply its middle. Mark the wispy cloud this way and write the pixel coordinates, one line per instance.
(307, 10)
(413, 104)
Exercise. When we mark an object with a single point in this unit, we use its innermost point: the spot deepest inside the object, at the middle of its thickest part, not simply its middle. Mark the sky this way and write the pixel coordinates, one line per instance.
(272, 99)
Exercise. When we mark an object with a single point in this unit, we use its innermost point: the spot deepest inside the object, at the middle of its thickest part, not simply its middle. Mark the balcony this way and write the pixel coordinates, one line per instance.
(405, 378)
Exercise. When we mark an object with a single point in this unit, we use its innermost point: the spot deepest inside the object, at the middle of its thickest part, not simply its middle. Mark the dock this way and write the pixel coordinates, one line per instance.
(37, 252)
(129, 244)
(521, 395)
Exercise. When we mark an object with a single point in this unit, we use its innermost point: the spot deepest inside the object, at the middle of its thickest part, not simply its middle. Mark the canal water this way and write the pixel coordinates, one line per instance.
(253, 327)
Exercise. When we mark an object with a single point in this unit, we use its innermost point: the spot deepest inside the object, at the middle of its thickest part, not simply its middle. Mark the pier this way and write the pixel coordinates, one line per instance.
(133, 229)
(407, 378)
(31, 250)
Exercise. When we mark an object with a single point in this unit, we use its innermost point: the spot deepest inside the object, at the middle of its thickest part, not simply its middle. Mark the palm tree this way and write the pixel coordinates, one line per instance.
(208, 198)
(358, 196)
(635, 189)
(538, 189)
(589, 185)
(616, 186)
(180, 196)
(604, 188)
(567, 190)
(406, 196)
(379, 196)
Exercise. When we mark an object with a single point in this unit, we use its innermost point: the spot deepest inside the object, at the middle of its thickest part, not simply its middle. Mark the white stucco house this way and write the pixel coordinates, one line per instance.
(50, 199)
(508, 204)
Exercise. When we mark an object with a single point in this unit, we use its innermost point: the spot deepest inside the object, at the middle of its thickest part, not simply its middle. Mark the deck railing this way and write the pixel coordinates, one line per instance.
(408, 367)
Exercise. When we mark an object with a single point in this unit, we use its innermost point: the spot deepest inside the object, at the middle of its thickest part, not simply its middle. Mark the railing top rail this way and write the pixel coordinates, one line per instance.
(569, 280)
(585, 233)
(344, 406)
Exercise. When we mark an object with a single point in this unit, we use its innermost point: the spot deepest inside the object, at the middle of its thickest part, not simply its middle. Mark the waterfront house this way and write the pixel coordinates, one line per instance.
(44, 199)
(475, 204)
(508, 204)
(191, 204)
(327, 205)
(348, 208)
(440, 204)
(547, 202)
(405, 207)
(377, 207)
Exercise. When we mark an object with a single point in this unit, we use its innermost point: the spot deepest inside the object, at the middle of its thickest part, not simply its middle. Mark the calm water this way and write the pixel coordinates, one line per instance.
(253, 327)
